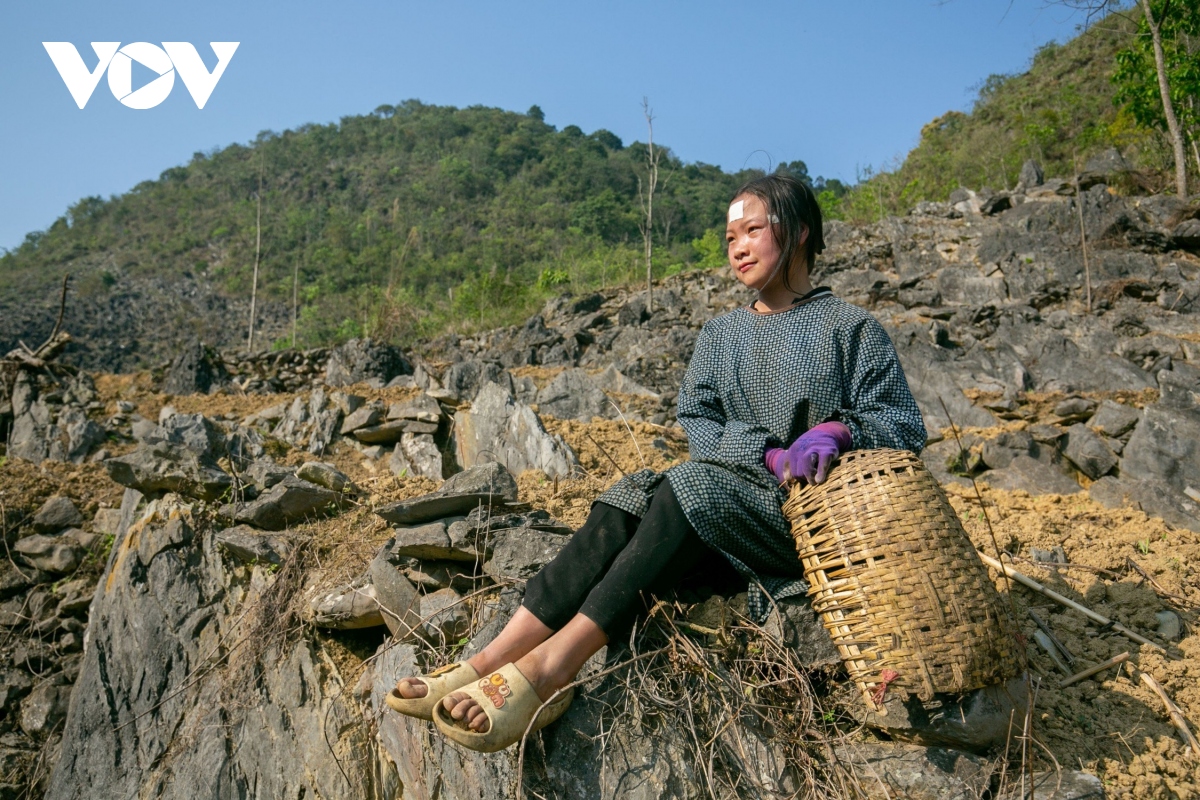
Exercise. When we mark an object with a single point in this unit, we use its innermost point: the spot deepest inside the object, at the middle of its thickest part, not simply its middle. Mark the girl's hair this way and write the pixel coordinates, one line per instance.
(792, 202)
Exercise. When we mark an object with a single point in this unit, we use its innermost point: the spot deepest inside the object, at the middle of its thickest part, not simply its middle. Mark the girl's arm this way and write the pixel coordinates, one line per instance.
(877, 405)
(711, 435)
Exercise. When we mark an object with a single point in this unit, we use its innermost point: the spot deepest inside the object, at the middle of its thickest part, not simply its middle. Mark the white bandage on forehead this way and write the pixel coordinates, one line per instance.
(736, 210)
(774, 219)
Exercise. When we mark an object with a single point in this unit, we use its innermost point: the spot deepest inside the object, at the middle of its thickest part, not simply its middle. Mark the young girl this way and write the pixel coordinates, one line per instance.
(775, 391)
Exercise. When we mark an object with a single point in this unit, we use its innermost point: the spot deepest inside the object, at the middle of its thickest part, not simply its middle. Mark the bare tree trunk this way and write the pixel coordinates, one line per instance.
(1164, 89)
(296, 290)
(1087, 269)
(648, 204)
(257, 254)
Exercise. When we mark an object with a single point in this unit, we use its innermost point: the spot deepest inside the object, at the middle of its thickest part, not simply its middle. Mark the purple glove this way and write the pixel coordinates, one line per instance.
(809, 457)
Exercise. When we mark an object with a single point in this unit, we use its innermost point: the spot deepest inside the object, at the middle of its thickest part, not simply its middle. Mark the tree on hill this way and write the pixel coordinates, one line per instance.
(408, 220)
(1158, 76)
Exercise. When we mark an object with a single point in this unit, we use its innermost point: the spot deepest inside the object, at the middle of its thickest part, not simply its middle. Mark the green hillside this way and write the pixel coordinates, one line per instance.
(1060, 109)
(397, 223)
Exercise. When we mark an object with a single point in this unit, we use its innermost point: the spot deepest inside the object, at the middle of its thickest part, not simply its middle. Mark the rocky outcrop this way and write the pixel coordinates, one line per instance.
(159, 710)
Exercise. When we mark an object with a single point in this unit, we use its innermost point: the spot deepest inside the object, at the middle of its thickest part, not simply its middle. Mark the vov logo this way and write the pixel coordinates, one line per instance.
(172, 57)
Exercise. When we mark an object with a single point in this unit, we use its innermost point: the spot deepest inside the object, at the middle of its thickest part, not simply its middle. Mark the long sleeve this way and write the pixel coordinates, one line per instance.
(713, 437)
(877, 405)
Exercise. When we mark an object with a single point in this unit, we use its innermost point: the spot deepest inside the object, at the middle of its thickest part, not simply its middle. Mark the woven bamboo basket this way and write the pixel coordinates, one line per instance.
(897, 583)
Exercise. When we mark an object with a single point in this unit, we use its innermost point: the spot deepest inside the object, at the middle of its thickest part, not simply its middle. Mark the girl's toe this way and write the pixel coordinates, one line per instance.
(476, 719)
(411, 688)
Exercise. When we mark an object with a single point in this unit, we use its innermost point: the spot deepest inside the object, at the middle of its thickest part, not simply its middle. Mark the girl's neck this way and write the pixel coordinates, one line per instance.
(777, 297)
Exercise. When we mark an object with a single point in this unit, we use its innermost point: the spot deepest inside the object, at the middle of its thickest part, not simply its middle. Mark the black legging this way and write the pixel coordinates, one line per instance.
(612, 559)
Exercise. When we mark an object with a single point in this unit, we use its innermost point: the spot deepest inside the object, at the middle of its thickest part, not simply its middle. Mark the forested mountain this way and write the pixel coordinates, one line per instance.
(393, 223)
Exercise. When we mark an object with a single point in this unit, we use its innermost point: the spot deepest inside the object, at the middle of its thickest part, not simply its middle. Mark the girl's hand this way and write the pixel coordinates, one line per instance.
(808, 458)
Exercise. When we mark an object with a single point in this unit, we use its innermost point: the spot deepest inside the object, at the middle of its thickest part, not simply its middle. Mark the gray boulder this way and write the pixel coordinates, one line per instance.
(487, 478)
(326, 475)
(464, 379)
(167, 467)
(1114, 419)
(521, 552)
(916, 773)
(44, 708)
(445, 616)
(195, 370)
(428, 541)
(363, 360)
(430, 507)
(288, 501)
(421, 408)
(54, 554)
(1031, 174)
(398, 600)
(416, 454)
(1030, 475)
(195, 432)
(1161, 461)
(55, 514)
(251, 546)
(573, 394)
(364, 417)
(350, 607)
(1087, 451)
(73, 436)
(264, 474)
(498, 428)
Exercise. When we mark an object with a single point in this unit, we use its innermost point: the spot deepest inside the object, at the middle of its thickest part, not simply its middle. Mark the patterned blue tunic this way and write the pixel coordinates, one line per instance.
(760, 380)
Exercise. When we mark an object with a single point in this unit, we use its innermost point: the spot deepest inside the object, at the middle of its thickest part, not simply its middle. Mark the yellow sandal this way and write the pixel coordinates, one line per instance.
(509, 701)
(438, 684)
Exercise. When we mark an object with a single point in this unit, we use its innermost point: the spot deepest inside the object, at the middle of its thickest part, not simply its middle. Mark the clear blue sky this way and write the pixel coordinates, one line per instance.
(840, 85)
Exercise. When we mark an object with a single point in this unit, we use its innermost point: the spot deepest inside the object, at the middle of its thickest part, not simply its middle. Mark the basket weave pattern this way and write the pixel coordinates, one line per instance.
(897, 582)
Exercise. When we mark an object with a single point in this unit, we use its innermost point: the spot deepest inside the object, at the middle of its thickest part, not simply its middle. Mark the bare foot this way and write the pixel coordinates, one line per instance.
(467, 712)
(411, 688)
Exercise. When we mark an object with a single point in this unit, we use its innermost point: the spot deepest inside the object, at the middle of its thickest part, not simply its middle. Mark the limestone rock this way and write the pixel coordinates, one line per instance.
(44, 708)
(195, 370)
(55, 514)
(14, 684)
(1030, 475)
(348, 607)
(167, 467)
(521, 552)
(55, 554)
(364, 417)
(249, 545)
(428, 541)
(149, 634)
(446, 617)
(497, 428)
(974, 721)
(573, 394)
(430, 507)
(288, 501)
(1086, 450)
(486, 478)
(421, 408)
(106, 521)
(1031, 174)
(464, 379)
(416, 454)
(916, 773)
(399, 602)
(265, 473)
(1113, 419)
(361, 360)
(326, 475)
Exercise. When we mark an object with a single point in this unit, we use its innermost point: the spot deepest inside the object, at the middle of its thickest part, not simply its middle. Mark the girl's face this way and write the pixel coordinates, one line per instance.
(753, 252)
